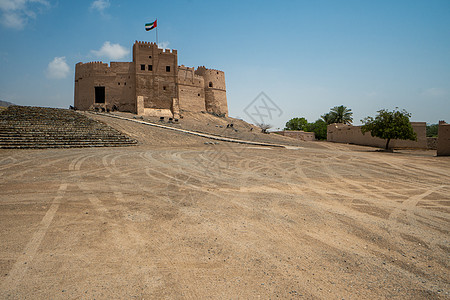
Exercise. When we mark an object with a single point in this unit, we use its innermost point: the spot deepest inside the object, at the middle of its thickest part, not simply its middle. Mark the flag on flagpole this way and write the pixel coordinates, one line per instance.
(150, 26)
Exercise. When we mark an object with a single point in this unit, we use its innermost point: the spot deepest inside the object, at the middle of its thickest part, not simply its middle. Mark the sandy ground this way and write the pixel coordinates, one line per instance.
(174, 218)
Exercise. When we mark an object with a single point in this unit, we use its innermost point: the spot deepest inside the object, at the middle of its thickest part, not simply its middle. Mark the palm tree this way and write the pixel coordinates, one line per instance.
(327, 118)
(341, 114)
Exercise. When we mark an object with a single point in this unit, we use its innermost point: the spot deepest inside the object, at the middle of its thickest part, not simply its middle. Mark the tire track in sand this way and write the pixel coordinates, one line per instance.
(18, 271)
(168, 269)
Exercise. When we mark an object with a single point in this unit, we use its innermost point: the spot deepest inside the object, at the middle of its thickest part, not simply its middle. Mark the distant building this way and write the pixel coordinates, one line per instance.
(443, 143)
(152, 84)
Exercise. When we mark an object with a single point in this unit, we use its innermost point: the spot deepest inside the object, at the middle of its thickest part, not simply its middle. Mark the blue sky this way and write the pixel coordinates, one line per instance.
(307, 56)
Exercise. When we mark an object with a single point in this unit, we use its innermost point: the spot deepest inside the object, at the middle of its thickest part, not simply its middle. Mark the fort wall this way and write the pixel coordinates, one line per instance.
(342, 133)
(443, 144)
(117, 80)
(191, 91)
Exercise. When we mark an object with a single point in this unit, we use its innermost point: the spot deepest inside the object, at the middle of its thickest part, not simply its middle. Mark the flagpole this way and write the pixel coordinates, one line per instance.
(157, 32)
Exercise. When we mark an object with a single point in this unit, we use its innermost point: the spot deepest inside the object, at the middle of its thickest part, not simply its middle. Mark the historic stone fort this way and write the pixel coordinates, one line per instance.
(152, 85)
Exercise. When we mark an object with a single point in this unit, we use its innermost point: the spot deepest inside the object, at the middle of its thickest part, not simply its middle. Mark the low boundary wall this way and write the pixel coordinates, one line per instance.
(298, 134)
(349, 134)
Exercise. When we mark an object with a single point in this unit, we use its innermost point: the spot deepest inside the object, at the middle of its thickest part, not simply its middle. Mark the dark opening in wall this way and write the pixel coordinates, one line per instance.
(199, 95)
(210, 84)
(118, 83)
(149, 56)
(167, 68)
(150, 67)
(164, 87)
(142, 67)
(99, 94)
(124, 83)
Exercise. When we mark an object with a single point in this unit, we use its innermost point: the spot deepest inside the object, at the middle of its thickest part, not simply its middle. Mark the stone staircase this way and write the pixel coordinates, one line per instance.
(38, 127)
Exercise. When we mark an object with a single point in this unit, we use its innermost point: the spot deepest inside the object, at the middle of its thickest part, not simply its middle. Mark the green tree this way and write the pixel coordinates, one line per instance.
(296, 124)
(341, 114)
(390, 125)
(327, 118)
(319, 128)
(432, 130)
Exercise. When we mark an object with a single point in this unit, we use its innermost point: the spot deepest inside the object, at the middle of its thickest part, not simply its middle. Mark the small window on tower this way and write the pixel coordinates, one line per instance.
(124, 83)
(150, 67)
(142, 67)
(167, 68)
(199, 95)
(118, 83)
(210, 84)
(149, 56)
(164, 87)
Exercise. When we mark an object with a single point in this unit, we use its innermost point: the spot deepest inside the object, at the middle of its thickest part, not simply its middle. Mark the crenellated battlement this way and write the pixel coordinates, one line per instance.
(152, 45)
(203, 69)
(173, 51)
(183, 67)
(143, 43)
(92, 63)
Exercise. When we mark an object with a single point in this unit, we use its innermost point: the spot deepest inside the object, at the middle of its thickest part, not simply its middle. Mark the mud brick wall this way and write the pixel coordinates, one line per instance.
(342, 133)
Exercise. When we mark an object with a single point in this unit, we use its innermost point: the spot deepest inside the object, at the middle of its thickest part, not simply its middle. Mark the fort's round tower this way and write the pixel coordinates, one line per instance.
(215, 90)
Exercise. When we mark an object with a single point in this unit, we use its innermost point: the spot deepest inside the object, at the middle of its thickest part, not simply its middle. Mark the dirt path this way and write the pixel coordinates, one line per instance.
(180, 219)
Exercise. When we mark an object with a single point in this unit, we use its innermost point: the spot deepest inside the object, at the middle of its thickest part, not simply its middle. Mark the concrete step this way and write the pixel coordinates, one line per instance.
(37, 127)
(63, 146)
(50, 136)
(43, 142)
(65, 143)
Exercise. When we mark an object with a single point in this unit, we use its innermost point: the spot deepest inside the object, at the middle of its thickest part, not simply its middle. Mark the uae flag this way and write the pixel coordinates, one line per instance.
(150, 26)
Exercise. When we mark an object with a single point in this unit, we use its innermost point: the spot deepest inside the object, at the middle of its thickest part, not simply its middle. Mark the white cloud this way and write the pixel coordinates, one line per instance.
(13, 20)
(58, 68)
(100, 5)
(435, 92)
(16, 13)
(163, 45)
(111, 51)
